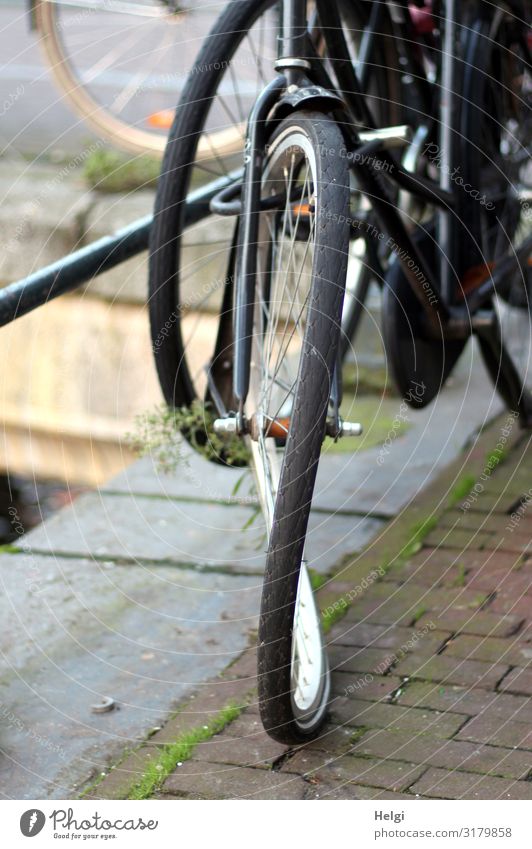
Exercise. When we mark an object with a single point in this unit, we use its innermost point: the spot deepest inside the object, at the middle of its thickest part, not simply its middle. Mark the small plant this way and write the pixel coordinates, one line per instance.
(358, 733)
(110, 171)
(158, 434)
(9, 548)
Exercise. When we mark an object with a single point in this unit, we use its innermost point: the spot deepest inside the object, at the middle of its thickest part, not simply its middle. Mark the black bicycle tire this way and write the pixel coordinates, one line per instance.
(483, 45)
(304, 442)
(169, 212)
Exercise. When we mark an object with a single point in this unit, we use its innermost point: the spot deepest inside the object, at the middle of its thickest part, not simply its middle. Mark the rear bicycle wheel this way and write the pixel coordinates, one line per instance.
(301, 269)
(496, 146)
(192, 269)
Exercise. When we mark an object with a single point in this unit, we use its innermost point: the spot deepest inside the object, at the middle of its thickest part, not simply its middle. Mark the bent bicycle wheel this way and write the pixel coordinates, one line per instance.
(301, 267)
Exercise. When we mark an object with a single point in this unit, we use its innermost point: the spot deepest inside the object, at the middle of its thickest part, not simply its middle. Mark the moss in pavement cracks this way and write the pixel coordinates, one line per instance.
(358, 733)
(461, 490)
(179, 751)
(418, 614)
(330, 618)
(316, 580)
(494, 458)
(460, 579)
(416, 536)
(331, 615)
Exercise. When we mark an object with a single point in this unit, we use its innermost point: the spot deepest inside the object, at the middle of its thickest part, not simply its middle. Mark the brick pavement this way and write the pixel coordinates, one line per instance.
(431, 666)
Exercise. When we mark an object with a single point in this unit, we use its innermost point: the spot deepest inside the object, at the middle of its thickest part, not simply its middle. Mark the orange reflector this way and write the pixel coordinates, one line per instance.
(161, 120)
(301, 209)
(278, 428)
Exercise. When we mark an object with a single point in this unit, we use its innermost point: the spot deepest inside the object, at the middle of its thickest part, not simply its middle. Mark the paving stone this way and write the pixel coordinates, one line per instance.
(253, 749)
(318, 767)
(465, 700)
(472, 520)
(248, 724)
(514, 581)
(489, 649)
(120, 779)
(492, 502)
(353, 660)
(212, 781)
(520, 543)
(518, 681)
(479, 622)
(471, 561)
(324, 792)
(349, 633)
(137, 528)
(433, 567)
(414, 604)
(510, 604)
(453, 670)
(365, 686)
(458, 538)
(373, 793)
(397, 639)
(201, 534)
(334, 740)
(514, 605)
(440, 784)
(448, 754)
(490, 728)
(196, 479)
(358, 713)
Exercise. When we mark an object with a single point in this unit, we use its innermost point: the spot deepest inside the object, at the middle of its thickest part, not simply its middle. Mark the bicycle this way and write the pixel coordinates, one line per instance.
(319, 168)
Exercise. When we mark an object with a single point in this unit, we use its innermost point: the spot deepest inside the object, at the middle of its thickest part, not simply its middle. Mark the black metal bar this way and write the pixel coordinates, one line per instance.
(72, 271)
(294, 30)
(423, 281)
(367, 44)
(256, 138)
(344, 70)
(417, 184)
(502, 274)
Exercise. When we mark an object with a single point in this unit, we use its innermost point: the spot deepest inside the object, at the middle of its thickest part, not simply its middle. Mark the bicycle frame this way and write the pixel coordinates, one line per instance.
(303, 81)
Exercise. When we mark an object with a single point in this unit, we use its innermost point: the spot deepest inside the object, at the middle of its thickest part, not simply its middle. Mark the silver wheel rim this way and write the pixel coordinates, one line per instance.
(285, 261)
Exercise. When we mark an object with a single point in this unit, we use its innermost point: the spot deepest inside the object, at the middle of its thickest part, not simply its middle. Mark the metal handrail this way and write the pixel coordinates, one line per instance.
(88, 262)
